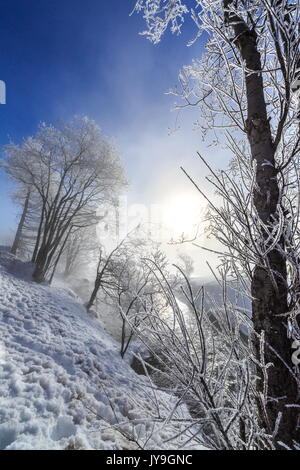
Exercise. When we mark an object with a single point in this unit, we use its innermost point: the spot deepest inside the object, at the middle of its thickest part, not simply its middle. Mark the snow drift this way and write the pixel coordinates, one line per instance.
(63, 384)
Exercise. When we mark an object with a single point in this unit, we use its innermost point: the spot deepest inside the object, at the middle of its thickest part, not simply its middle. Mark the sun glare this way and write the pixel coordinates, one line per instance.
(182, 214)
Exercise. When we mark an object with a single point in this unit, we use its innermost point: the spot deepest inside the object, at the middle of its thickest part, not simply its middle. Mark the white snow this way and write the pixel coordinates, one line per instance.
(63, 383)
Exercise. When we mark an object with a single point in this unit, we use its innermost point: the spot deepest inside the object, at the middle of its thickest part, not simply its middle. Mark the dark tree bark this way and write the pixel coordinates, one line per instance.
(17, 240)
(101, 272)
(54, 227)
(39, 233)
(40, 272)
(269, 295)
(97, 284)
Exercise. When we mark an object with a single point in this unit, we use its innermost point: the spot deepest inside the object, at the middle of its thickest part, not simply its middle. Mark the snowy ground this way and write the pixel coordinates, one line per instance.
(62, 381)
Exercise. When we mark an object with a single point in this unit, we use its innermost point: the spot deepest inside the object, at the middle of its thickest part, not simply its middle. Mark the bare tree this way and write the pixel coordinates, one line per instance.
(207, 365)
(73, 169)
(247, 84)
(138, 292)
(125, 283)
(103, 274)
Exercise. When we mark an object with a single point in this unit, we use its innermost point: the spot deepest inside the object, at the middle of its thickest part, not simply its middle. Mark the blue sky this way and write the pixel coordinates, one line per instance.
(65, 57)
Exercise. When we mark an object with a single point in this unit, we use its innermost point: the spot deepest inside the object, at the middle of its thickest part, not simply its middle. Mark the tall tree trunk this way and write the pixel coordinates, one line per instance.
(269, 297)
(41, 259)
(17, 240)
(93, 297)
(38, 237)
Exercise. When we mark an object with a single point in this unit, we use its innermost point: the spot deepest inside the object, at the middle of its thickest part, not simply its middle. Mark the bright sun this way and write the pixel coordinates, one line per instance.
(182, 214)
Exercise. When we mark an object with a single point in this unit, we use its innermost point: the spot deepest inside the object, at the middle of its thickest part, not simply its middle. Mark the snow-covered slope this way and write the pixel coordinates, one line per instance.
(62, 381)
